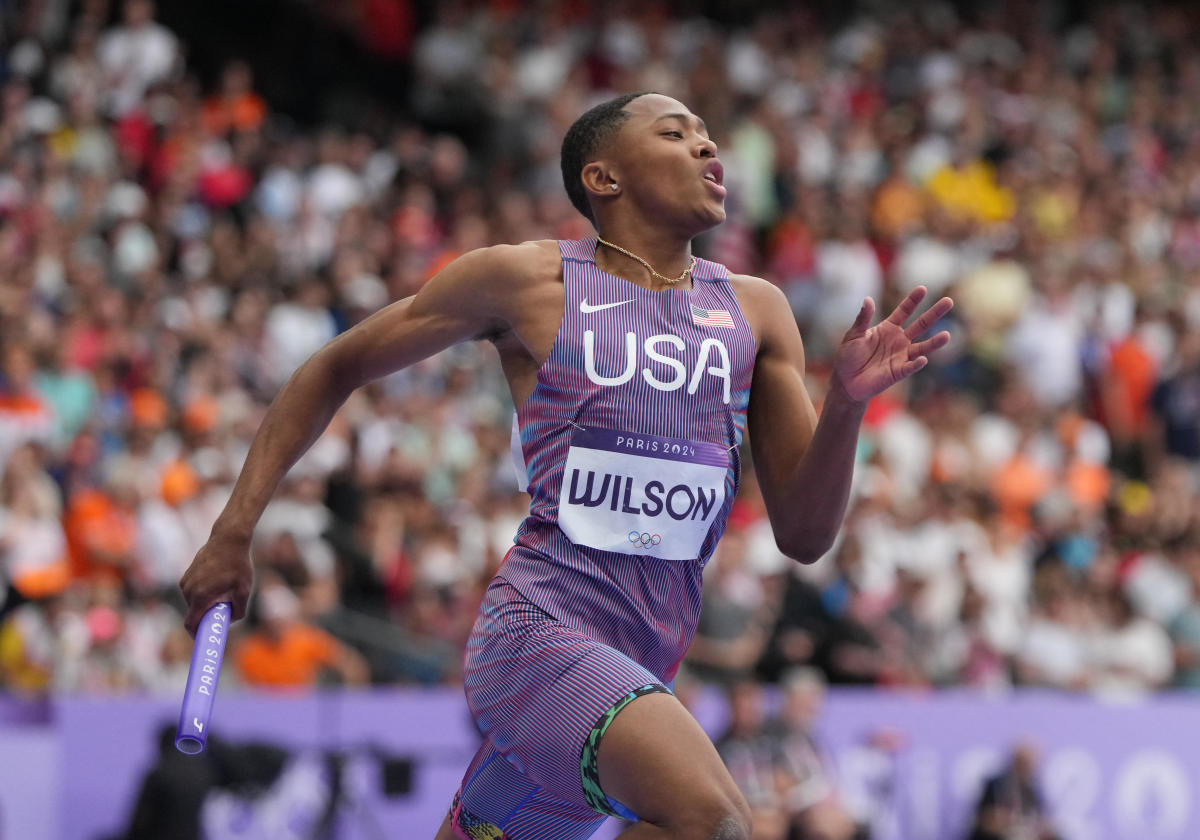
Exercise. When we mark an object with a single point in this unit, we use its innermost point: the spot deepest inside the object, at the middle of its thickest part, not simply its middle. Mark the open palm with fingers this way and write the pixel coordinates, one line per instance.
(872, 359)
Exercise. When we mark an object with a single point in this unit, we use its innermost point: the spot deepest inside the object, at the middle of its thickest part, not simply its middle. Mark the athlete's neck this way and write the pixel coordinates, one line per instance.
(669, 255)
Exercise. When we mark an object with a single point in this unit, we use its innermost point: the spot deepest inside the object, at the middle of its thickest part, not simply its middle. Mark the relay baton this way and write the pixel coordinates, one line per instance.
(203, 675)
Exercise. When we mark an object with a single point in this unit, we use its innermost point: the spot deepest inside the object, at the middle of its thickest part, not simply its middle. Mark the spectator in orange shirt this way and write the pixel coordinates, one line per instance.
(1018, 485)
(898, 205)
(24, 414)
(284, 651)
(1126, 390)
(236, 107)
(101, 527)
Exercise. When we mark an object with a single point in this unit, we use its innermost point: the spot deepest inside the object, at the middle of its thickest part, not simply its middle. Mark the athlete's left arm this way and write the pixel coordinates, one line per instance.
(804, 464)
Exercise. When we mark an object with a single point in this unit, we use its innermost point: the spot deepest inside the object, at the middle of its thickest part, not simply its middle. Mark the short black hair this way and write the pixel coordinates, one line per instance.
(583, 141)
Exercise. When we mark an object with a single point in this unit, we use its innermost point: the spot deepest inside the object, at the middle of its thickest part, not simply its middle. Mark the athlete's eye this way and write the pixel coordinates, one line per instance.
(673, 133)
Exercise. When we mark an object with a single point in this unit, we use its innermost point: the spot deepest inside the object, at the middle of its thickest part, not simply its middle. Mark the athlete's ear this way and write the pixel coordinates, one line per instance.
(600, 180)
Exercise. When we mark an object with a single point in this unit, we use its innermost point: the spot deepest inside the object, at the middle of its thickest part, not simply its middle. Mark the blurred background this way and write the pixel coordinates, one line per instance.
(196, 196)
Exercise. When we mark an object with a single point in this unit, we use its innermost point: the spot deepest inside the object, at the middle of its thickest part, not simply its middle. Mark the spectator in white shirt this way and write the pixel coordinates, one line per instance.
(135, 55)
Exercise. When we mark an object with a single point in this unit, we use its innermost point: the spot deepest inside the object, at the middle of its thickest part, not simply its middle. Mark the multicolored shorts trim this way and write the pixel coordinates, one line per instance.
(589, 772)
(471, 827)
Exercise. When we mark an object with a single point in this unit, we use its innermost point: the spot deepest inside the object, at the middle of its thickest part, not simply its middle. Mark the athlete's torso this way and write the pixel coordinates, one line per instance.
(630, 443)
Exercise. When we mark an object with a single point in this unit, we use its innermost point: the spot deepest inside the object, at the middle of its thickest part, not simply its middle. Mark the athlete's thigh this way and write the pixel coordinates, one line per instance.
(543, 694)
(656, 761)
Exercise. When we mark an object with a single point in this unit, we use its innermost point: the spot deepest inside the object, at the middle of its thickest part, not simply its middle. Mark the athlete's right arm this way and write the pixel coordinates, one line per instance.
(473, 296)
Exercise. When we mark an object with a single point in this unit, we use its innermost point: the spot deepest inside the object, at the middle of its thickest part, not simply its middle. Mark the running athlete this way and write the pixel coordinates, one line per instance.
(635, 368)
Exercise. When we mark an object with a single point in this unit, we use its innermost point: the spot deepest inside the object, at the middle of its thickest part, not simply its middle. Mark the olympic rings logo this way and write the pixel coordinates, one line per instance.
(643, 539)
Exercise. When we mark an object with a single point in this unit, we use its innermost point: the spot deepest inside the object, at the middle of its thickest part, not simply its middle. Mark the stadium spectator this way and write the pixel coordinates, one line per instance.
(736, 614)
(1185, 627)
(33, 547)
(814, 809)
(1010, 805)
(754, 761)
(284, 651)
(135, 55)
(25, 415)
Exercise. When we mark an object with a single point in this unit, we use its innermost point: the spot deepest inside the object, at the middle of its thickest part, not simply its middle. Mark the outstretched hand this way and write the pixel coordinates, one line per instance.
(872, 359)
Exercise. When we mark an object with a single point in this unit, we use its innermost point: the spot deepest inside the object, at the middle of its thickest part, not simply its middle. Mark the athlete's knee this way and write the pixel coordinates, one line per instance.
(719, 817)
(733, 827)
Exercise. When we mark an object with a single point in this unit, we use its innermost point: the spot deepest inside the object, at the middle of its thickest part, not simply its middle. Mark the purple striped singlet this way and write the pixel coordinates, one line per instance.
(630, 444)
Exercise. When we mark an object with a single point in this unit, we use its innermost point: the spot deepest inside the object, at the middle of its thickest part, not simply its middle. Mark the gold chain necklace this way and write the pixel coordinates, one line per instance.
(670, 280)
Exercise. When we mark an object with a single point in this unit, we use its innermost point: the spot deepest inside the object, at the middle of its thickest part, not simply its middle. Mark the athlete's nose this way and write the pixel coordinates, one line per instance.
(707, 148)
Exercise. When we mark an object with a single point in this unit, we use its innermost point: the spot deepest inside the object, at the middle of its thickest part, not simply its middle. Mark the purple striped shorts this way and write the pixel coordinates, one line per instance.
(542, 695)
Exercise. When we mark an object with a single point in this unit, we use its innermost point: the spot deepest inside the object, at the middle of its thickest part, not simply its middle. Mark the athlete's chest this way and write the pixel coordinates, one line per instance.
(688, 343)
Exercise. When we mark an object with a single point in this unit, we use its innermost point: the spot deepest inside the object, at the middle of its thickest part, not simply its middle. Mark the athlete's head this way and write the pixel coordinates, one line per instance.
(653, 150)
(585, 140)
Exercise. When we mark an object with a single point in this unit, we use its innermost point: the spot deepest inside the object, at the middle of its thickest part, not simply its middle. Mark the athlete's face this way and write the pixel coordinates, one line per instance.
(668, 163)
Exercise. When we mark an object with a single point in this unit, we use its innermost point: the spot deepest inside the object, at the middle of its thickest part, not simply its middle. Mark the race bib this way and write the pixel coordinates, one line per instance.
(641, 494)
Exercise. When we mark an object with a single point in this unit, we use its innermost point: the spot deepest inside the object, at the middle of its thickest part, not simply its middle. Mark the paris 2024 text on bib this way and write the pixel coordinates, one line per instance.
(641, 494)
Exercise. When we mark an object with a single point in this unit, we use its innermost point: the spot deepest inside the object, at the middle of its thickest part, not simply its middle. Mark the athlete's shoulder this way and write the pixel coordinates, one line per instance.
(495, 278)
(755, 288)
(525, 261)
(763, 304)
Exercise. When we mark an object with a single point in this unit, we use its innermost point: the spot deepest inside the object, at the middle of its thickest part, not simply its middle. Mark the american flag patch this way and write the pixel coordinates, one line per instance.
(712, 317)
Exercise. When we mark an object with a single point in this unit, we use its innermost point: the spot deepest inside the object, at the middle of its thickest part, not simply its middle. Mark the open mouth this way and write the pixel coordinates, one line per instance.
(714, 174)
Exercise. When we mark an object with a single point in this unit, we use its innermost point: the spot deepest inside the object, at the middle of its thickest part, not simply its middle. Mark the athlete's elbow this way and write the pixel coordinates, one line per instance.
(326, 377)
(337, 368)
(807, 547)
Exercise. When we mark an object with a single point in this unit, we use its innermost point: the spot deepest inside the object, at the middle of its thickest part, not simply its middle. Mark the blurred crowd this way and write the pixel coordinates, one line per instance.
(773, 748)
(1024, 511)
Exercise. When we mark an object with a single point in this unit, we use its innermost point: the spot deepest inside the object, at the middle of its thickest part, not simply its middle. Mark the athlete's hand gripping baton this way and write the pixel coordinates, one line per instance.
(203, 676)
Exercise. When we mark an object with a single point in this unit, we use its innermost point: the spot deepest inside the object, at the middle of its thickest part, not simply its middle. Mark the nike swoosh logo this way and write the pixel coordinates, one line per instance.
(585, 307)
